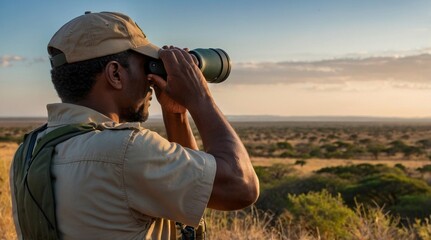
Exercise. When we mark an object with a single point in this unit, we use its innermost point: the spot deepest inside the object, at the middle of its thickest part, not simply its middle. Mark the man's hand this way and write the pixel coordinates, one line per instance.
(185, 83)
(167, 103)
(174, 114)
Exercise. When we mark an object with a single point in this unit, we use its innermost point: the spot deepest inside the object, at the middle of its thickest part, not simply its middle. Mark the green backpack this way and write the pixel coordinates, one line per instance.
(34, 191)
(32, 181)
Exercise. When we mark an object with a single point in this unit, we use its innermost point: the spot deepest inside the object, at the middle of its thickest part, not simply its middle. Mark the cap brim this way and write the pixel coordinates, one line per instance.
(150, 50)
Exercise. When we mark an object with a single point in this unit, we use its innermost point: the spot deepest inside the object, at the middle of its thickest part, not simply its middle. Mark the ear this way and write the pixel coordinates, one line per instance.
(114, 73)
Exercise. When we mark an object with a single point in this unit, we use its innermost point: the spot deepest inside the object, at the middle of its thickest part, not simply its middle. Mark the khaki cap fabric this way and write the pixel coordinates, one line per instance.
(95, 35)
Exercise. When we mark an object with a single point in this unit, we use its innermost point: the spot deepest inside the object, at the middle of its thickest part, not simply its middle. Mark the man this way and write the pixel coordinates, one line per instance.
(123, 181)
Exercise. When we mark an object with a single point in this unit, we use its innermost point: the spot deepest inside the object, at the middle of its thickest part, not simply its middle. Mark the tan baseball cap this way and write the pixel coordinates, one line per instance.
(95, 35)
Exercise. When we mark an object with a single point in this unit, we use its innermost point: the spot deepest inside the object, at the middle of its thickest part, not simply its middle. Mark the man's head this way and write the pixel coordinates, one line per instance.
(95, 57)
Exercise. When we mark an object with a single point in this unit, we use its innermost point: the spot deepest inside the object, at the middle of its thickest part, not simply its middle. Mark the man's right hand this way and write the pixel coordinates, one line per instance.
(185, 83)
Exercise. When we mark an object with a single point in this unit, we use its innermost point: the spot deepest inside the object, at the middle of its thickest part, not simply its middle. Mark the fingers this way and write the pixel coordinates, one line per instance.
(158, 81)
(195, 59)
(168, 57)
(175, 55)
(183, 75)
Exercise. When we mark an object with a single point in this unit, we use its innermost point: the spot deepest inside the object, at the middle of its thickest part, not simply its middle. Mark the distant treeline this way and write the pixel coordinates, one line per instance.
(303, 140)
(337, 140)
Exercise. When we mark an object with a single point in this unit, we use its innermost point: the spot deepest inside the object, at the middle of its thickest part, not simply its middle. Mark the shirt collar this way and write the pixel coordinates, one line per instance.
(66, 113)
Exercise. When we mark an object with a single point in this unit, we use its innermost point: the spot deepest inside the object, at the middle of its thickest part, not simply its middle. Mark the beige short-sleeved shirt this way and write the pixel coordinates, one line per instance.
(125, 181)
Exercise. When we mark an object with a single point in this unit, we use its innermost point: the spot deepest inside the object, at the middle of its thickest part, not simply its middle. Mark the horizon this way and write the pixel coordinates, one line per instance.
(266, 118)
(289, 58)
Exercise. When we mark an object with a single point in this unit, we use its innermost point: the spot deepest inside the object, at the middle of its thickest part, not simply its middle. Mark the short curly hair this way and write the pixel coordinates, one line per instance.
(74, 81)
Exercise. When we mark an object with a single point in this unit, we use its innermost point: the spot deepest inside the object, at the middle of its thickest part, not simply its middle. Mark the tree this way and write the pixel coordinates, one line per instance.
(425, 143)
(375, 148)
(408, 151)
(284, 145)
(396, 146)
(300, 162)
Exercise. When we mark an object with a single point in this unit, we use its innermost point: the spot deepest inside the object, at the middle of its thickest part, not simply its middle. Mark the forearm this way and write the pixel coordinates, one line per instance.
(178, 129)
(218, 137)
(235, 176)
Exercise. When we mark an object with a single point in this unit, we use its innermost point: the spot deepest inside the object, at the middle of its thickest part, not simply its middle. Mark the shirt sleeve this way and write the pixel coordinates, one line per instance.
(165, 180)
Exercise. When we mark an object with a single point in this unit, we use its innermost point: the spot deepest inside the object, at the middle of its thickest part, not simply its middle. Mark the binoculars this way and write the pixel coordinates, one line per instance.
(214, 64)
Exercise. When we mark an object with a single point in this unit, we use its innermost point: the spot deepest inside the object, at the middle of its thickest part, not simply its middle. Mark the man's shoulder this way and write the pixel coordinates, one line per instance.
(107, 145)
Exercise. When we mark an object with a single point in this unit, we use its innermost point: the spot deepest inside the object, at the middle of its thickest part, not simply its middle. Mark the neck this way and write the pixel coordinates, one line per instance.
(105, 107)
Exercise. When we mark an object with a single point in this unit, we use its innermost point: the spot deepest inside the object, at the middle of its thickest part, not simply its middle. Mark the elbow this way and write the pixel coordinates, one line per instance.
(234, 195)
(234, 190)
(246, 194)
(251, 195)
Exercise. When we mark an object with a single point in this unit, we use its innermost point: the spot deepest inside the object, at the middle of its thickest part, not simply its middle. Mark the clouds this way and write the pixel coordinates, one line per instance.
(347, 74)
(10, 60)
(408, 71)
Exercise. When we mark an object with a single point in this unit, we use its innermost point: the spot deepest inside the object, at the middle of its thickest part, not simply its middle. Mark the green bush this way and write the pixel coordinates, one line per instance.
(401, 167)
(360, 171)
(384, 189)
(320, 211)
(270, 177)
(413, 206)
(273, 197)
(284, 145)
(424, 169)
(370, 185)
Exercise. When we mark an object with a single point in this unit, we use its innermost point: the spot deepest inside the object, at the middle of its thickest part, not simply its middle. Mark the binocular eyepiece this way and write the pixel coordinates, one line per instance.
(214, 64)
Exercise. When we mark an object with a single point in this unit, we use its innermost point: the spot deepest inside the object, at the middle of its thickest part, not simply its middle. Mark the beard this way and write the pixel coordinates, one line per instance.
(136, 115)
(139, 112)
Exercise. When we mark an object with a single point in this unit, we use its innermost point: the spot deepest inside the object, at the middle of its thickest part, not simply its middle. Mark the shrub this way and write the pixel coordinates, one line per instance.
(358, 172)
(274, 175)
(424, 169)
(320, 211)
(384, 189)
(284, 145)
(300, 162)
(413, 206)
(401, 167)
(273, 197)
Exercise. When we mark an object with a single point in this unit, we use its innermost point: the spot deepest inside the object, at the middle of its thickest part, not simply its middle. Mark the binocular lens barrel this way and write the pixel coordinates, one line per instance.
(213, 62)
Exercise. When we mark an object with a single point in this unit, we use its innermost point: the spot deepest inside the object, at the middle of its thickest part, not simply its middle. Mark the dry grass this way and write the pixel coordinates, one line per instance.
(7, 229)
(252, 224)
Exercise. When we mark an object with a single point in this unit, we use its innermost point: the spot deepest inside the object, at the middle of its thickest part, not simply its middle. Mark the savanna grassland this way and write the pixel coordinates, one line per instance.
(319, 180)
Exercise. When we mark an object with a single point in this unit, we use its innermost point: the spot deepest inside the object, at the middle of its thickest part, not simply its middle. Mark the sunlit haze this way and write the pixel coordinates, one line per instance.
(289, 58)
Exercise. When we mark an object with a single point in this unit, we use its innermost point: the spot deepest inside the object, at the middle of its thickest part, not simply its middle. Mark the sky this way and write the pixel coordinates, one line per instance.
(289, 58)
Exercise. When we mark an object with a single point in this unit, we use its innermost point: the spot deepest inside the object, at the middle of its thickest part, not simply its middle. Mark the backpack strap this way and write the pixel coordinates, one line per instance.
(61, 134)
(30, 141)
(32, 181)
